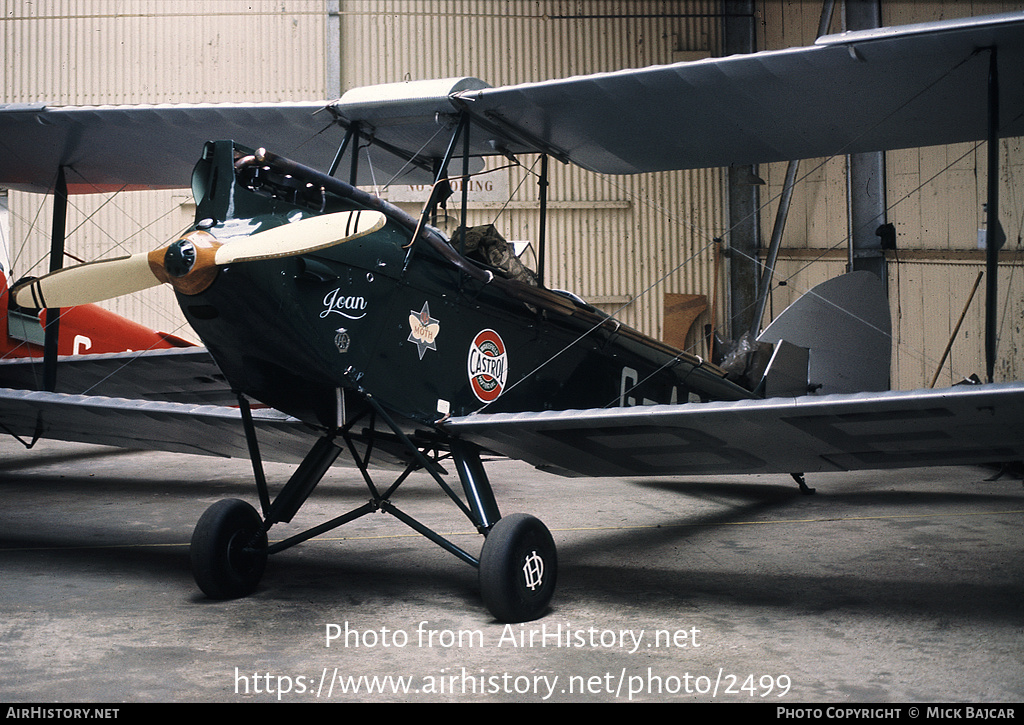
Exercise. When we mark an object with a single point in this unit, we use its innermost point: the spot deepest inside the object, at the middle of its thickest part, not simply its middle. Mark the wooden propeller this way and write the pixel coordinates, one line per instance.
(190, 264)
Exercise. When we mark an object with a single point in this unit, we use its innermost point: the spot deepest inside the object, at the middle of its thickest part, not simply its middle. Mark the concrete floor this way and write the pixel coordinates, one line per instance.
(903, 587)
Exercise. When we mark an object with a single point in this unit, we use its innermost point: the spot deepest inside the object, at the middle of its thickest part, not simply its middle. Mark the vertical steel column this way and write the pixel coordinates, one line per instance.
(743, 222)
(782, 214)
(865, 175)
(332, 50)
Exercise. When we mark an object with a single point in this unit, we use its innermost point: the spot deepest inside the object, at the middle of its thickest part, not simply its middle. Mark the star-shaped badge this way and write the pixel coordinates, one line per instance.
(424, 330)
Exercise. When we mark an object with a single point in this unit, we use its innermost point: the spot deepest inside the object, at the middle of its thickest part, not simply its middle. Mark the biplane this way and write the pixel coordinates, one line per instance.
(338, 328)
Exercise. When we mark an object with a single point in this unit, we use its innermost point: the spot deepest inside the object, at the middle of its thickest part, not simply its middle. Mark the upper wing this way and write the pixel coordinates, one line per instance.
(966, 424)
(871, 90)
(108, 148)
(113, 148)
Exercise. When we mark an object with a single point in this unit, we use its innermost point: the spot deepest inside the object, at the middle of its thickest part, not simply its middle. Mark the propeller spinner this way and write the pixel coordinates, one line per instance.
(190, 263)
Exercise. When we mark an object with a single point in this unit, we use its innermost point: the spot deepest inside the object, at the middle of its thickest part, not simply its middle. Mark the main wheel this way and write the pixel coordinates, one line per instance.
(228, 550)
(518, 569)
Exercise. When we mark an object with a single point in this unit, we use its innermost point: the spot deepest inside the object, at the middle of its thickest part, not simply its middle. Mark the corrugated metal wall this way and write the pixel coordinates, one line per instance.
(94, 52)
(622, 243)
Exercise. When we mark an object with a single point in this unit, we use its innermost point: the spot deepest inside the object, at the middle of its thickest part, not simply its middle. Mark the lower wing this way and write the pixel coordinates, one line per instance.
(901, 429)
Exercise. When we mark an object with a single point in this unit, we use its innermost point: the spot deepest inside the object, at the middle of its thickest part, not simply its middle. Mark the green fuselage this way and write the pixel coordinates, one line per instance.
(423, 330)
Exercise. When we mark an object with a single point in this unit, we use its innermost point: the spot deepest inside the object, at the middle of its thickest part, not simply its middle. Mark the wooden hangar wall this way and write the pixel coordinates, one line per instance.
(935, 200)
(624, 243)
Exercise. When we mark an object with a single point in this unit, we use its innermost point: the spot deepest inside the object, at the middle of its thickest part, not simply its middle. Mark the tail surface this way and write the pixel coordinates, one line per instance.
(844, 325)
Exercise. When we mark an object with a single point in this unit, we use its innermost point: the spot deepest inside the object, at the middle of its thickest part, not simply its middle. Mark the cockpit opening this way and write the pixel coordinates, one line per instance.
(485, 245)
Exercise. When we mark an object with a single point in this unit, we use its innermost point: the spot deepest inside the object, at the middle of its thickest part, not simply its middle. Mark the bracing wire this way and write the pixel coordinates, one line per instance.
(758, 263)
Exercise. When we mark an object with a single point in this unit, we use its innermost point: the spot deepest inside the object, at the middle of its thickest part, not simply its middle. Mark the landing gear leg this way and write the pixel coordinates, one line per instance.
(804, 488)
(517, 567)
(229, 546)
(518, 562)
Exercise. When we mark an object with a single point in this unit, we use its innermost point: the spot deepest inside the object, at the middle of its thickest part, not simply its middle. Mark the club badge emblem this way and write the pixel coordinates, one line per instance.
(342, 339)
(424, 330)
(487, 366)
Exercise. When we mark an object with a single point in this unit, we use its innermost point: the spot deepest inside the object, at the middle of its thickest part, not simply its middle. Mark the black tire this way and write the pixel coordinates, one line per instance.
(228, 550)
(518, 569)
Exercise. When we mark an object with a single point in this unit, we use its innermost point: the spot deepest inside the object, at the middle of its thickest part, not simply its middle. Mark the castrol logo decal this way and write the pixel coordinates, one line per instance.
(487, 366)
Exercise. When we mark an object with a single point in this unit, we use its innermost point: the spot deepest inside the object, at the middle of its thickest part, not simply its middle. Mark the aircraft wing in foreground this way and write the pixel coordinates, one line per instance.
(892, 429)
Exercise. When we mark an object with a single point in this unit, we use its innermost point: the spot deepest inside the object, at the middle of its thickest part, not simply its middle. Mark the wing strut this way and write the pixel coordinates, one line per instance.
(341, 150)
(57, 237)
(994, 236)
(542, 228)
(765, 284)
